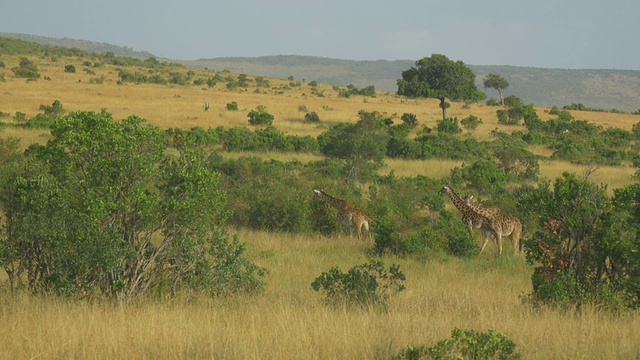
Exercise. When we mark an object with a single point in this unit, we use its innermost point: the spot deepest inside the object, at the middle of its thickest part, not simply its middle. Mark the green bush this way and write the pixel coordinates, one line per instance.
(448, 126)
(471, 122)
(232, 106)
(369, 284)
(70, 69)
(409, 119)
(257, 117)
(465, 344)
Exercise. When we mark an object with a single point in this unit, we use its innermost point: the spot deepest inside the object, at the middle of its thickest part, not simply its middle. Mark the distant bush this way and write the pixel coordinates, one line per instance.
(70, 69)
(26, 69)
(312, 117)
(232, 106)
(260, 117)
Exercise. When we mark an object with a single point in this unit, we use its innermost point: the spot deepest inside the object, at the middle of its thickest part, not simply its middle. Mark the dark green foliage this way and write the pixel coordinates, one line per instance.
(352, 90)
(85, 209)
(232, 106)
(46, 119)
(440, 78)
(369, 284)
(465, 344)
(396, 205)
(312, 117)
(595, 259)
(266, 195)
(260, 117)
(449, 126)
(361, 145)
(471, 122)
(70, 69)
(409, 119)
(26, 69)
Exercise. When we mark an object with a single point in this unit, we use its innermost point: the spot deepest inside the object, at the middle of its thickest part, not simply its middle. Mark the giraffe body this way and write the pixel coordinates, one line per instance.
(347, 215)
(469, 217)
(498, 225)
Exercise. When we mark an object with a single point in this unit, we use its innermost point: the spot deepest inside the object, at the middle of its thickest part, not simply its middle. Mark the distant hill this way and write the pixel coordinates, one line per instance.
(88, 46)
(594, 88)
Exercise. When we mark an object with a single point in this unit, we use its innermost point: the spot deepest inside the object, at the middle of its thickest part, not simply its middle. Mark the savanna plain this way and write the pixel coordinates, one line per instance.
(288, 320)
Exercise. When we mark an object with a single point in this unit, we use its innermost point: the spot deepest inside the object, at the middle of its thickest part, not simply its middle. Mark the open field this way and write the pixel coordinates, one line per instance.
(288, 320)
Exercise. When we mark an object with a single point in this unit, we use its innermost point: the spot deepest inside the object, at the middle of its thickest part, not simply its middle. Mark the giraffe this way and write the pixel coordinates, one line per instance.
(562, 249)
(347, 214)
(470, 218)
(498, 225)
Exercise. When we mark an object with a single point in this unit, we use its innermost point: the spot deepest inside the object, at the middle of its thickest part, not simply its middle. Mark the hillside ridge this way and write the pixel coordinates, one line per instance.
(604, 89)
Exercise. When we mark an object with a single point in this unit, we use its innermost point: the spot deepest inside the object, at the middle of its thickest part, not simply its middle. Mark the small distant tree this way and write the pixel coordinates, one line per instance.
(495, 81)
(70, 69)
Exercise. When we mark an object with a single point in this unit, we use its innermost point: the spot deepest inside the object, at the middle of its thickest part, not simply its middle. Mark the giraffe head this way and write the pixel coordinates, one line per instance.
(319, 193)
(446, 189)
(467, 199)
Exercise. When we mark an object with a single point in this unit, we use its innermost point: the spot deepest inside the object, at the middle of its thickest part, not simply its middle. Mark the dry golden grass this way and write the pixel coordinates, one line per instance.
(288, 320)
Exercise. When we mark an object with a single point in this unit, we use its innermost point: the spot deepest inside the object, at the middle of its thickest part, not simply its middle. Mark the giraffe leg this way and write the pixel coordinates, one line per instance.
(485, 240)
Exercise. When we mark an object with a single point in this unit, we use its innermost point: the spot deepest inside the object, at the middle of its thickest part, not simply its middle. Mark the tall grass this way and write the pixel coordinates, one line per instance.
(289, 321)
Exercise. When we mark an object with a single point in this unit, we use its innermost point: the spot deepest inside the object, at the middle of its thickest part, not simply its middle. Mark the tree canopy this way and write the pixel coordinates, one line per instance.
(495, 81)
(440, 78)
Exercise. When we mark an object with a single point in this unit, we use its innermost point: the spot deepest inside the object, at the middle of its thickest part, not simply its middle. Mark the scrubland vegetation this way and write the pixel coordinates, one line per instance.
(137, 224)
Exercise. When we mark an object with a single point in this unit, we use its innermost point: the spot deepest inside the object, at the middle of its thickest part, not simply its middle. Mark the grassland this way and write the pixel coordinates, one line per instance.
(288, 320)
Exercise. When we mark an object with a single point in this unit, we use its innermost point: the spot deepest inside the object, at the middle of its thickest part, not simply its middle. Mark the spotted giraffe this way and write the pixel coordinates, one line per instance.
(470, 218)
(498, 225)
(347, 215)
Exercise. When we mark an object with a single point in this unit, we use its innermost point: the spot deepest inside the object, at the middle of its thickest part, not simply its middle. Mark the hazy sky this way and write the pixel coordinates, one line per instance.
(577, 34)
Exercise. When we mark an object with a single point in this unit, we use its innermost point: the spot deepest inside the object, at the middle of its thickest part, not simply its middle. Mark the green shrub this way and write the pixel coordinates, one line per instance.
(465, 344)
(369, 284)
(449, 126)
(409, 119)
(232, 106)
(70, 69)
(257, 117)
(471, 122)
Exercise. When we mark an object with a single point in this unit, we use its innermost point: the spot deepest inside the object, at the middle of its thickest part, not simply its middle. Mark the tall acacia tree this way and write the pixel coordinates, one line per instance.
(495, 81)
(440, 78)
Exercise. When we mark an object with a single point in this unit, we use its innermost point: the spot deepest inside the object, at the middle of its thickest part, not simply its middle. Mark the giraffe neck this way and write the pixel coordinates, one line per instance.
(335, 202)
(455, 199)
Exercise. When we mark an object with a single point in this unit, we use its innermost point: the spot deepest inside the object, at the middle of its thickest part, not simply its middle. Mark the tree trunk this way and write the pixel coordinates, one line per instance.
(501, 97)
(443, 105)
